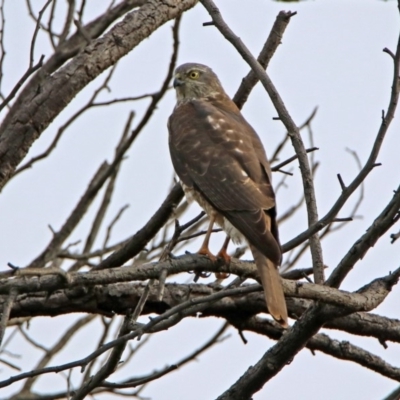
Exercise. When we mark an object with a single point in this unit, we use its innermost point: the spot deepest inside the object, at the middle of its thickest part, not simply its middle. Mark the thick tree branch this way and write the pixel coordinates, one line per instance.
(78, 283)
(40, 108)
(342, 350)
(277, 357)
(164, 321)
(293, 340)
(104, 298)
(71, 48)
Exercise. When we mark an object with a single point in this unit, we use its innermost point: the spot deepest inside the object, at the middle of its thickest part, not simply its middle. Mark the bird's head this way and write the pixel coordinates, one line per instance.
(196, 81)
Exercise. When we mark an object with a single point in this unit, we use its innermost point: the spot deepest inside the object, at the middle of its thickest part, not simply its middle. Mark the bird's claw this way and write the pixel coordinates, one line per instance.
(227, 258)
(204, 251)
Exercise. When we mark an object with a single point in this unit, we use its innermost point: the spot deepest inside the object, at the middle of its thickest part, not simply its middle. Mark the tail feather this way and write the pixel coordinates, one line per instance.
(272, 285)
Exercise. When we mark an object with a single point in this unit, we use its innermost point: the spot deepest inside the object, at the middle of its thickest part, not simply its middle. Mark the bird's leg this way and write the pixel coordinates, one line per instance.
(204, 250)
(223, 254)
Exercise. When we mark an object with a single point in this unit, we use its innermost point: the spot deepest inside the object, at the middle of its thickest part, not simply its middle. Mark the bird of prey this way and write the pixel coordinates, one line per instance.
(222, 165)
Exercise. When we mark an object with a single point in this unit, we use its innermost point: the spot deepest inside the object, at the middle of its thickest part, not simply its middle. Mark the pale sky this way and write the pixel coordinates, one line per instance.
(331, 57)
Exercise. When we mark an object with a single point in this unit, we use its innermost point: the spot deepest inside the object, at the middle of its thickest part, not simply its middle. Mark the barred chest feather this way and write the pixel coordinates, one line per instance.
(192, 195)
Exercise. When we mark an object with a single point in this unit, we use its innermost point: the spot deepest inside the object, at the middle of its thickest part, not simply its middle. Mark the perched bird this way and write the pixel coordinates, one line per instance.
(222, 164)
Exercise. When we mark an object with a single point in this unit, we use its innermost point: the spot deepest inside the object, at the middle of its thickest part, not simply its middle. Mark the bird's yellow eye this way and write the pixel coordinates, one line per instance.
(194, 74)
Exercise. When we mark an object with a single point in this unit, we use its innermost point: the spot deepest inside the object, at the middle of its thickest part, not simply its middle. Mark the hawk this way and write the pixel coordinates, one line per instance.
(222, 165)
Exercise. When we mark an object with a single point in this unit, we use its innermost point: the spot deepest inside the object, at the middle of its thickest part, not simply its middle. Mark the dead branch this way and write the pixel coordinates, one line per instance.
(133, 382)
(342, 350)
(18, 136)
(267, 52)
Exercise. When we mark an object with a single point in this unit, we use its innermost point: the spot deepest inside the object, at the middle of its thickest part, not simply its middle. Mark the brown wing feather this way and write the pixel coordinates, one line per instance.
(216, 151)
(257, 233)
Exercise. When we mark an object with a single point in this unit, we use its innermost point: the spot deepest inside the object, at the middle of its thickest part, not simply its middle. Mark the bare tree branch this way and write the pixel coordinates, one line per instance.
(267, 52)
(51, 352)
(73, 77)
(133, 382)
(342, 350)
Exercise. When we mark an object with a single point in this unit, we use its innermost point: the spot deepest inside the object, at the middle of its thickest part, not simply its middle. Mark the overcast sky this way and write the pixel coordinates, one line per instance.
(331, 57)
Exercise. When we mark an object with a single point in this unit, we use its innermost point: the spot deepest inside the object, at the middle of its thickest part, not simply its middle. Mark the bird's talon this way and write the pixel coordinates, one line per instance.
(222, 275)
(206, 252)
(227, 259)
(225, 256)
(201, 274)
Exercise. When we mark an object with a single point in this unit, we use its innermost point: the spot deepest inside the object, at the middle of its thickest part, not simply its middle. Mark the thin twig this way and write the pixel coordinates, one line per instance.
(2, 48)
(90, 104)
(168, 250)
(59, 346)
(289, 160)
(106, 329)
(133, 382)
(386, 219)
(394, 237)
(68, 21)
(37, 27)
(342, 185)
(282, 144)
(50, 25)
(33, 342)
(195, 235)
(22, 80)
(112, 224)
(106, 199)
(9, 364)
(82, 31)
(81, 10)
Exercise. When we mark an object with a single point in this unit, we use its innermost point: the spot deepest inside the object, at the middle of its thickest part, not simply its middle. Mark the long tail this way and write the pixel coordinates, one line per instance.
(272, 285)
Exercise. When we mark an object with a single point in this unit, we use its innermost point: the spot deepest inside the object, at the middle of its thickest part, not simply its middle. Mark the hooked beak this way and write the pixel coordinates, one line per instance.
(178, 82)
